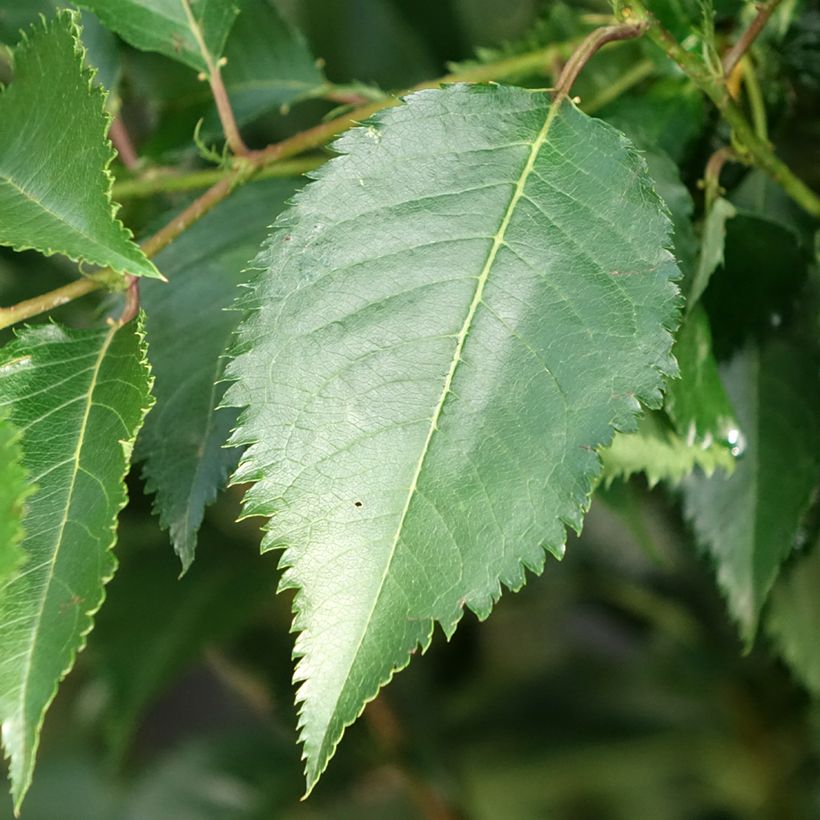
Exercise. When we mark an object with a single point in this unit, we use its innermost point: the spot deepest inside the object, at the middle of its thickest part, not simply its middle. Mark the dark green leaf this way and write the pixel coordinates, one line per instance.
(55, 190)
(78, 399)
(748, 521)
(137, 657)
(793, 618)
(191, 31)
(188, 327)
(446, 326)
(697, 402)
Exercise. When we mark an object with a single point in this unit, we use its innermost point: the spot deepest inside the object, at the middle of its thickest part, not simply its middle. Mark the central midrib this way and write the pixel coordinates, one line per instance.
(498, 241)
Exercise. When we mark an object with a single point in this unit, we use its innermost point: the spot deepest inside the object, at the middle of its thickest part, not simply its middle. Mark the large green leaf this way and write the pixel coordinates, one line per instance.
(445, 326)
(794, 616)
(13, 491)
(78, 398)
(748, 521)
(55, 190)
(188, 328)
(191, 31)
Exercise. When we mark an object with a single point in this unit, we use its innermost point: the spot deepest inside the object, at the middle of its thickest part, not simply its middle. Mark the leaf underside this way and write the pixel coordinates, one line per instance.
(464, 305)
(55, 188)
(188, 327)
(191, 31)
(748, 521)
(77, 398)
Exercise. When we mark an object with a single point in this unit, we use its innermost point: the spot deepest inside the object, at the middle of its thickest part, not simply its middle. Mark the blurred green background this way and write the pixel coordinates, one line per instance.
(611, 688)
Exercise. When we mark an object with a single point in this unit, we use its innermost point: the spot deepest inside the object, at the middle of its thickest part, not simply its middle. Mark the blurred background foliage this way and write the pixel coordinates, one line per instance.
(613, 687)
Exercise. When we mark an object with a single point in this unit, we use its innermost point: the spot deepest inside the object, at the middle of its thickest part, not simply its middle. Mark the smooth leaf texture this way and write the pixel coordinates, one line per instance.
(188, 328)
(712, 247)
(55, 189)
(661, 454)
(78, 398)
(13, 491)
(191, 31)
(449, 321)
(793, 618)
(748, 521)
(697, 401)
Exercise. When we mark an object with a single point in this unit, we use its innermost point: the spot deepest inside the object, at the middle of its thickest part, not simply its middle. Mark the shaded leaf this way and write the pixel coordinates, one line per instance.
(188, 328)
(191, 31)
(14, 488)
(697, 402)
(137, 657)
(748, 521)
(78, 398)
(55, 190)
(713, 240)
(445, 327)
(793, 618)
(662, 454)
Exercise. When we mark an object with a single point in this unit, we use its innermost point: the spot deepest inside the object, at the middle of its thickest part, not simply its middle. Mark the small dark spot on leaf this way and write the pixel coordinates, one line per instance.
(357, 503)
(287, 238)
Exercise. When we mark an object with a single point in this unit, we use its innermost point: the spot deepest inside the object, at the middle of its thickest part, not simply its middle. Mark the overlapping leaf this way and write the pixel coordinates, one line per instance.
(55, 191)
(191, 31)
(188, 328)
(748, 521)
(13, 491)
(78, 398)
(445, 327)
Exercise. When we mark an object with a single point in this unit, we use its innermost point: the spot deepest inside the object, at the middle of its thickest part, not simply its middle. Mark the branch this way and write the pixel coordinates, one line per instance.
(121, 139)
(758, 151)
(594, 41)
(736, 52)
(260, 163)
(220, 94)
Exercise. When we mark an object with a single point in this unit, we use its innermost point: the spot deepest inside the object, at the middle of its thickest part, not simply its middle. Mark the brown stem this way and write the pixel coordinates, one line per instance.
(132, 301)
(734, 55)
(590, 45)
(121, 139)
(225, 111)
(711, 174)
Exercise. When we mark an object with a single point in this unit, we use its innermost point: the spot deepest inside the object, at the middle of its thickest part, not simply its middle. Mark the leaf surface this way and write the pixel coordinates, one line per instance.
(191, 31)
(748, 521)
(449, 321)
(14, 488)
(793, 618)
(188, 328)
(661, 454)
(78, 398)
(55, 189)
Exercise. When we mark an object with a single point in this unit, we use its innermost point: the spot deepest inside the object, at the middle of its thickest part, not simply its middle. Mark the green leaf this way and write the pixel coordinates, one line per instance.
(138, 657)
(445, 326)
(269, 62)
(713, 241)
(748, 521)
(188, 328)
(793, 617)
(191, 31)
(55, 189)
(697, 402)
(14, 488)
(662, 454)
(78, 398)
